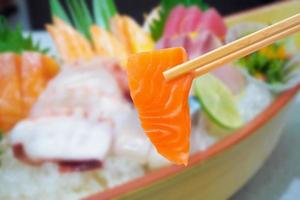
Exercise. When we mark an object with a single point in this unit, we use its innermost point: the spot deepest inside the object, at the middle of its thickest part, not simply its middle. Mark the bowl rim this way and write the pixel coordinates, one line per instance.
(249, 129)
(261, 8)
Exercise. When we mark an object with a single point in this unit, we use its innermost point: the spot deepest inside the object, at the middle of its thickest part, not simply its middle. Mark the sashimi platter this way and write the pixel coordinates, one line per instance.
(99, 120)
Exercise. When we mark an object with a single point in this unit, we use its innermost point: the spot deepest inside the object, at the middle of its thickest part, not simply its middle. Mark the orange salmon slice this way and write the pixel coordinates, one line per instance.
(10, 95)
(162, 106)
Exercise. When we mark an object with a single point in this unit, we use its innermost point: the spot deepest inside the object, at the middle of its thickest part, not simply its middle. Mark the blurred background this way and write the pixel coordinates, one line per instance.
(33, 14)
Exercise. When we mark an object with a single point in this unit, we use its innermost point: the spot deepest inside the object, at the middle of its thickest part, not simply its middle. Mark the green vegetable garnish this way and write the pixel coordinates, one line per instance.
(267, 64)
(103, 11)
(166, 6)
(12, 40)
(81, 17)
(58, 11)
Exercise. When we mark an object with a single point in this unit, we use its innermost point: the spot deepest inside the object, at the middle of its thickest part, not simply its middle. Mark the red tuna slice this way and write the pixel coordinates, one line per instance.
(213, 21)
(191, 21)
(204, 42)
(173, 23)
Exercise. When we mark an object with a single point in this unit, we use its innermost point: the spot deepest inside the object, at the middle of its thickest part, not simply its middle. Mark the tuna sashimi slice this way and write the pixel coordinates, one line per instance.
(211, 20)
(162, 106)
(191, 21)
(173, 24)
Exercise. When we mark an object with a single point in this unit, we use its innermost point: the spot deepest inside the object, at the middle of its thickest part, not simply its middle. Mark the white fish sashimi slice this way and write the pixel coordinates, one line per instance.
(81, 89)
(75, 118)
(63, 138)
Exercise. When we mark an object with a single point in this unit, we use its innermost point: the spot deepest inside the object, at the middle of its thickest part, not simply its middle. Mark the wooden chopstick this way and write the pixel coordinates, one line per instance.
(245, 51)
(230, 48)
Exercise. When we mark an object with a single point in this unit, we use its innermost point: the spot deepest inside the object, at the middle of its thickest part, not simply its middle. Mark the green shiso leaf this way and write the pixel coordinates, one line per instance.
(166, 6)
(58, 11)
(13, 40)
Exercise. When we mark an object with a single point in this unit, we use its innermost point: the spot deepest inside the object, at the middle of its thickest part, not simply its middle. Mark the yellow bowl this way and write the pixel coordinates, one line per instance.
(225, 167)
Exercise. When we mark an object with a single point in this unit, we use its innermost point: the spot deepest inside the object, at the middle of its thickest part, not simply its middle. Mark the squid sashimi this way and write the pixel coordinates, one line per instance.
(75, 118)
(162, 106)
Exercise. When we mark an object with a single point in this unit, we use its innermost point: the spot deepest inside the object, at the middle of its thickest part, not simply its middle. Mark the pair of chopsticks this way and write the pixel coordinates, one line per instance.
(237, 49)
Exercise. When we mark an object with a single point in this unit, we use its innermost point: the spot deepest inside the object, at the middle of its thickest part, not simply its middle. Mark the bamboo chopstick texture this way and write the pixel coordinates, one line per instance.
(276, 31)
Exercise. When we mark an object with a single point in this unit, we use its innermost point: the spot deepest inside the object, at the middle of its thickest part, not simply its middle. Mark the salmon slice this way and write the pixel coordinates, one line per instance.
(10, 96)
(162, 106)
(36, 71)
(22, 79)
(50, 66)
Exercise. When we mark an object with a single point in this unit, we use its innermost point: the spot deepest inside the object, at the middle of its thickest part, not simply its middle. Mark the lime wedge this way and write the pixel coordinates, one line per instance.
(218, 101)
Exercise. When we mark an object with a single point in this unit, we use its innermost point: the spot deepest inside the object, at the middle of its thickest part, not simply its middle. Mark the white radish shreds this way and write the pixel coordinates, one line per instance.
(19, 181)
(119, 170)
(254, 100)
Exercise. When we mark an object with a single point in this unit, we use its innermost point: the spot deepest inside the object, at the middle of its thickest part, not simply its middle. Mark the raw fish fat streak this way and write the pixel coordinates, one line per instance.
(162, 106)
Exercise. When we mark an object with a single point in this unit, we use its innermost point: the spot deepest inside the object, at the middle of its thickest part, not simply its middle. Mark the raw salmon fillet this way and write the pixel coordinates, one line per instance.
(10, 94)
(22, 79)
(36, 71)
(162, 106)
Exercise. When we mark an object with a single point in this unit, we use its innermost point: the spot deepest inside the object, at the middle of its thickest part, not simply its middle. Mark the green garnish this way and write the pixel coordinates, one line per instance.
(267, 64)
(166, 6)
(81, 17)
(103, 12)
(12, 40)
(58, 11)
